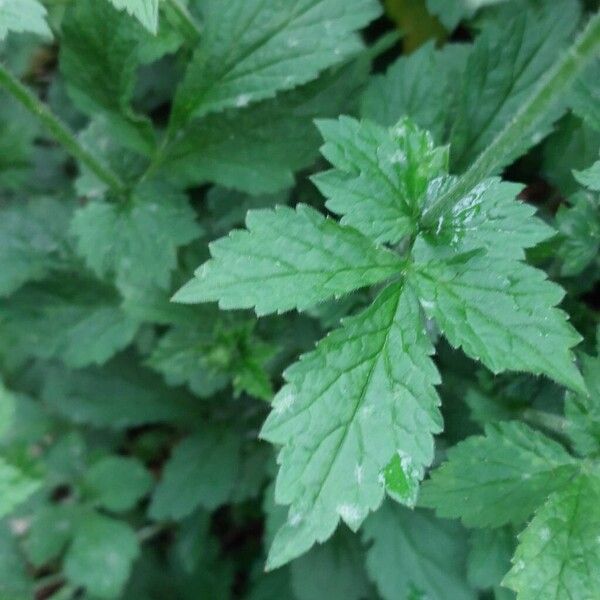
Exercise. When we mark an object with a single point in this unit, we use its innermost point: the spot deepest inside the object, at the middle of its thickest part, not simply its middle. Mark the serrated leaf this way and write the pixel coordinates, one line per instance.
(413, 555)
(452, 12)
(287, 259)
(499, 478)
(15, 487)
(200, 473)
(583, 410)
(489, 217)
(258, 148)
(117, 483)
(23, 16)
(558, 553)
(136, 241)
(380, 175)
(364, 394)
(145, 11)
(499, 311)
(100, 557)
(422, 85)
(33, 240)
(504, 67)
(250, 49)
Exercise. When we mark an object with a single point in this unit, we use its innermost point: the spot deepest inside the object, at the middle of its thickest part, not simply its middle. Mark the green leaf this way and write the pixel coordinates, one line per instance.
(15, 581)
(71, 318)
(99, 55)
(257, 149)
(137, 241)
(452, 12)
(583, 410)
(489, 217)
(287, 259)
(119, 395)
(498, 310)
(489, 556)
(422, 85)
(51, 529)
(117, 483)
(33, 240)
(100, 557)
(23, 16)
(590, 178)
(334, 570)
(508, 59)
(413, 555)
(558, 553)
(584, 97)
(381, 175)
(15, 487)
(201, 472)
(579, 226)
(365, 394)
(498, 478)
(145, 11)
(251, 49)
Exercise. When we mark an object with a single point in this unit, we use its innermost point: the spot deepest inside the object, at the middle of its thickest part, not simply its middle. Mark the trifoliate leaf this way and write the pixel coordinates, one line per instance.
(71, 318)
(117, 483)
(136, 241)
(558, 553)
(15, 487)
(365, 394)
(33, 240)
(501, 312)
(422, 85)
(100, 557)
(413, 555)
(334, 570)
(200, 473)
(498, 478)
(287, 259)
(51, 529)
(583, 410)
(579, 226)
(121, 394)
(380, 177)
(23, 15)
(251, 49)
(507, 61)
(489, 217)
(145, 11)
(257, 149)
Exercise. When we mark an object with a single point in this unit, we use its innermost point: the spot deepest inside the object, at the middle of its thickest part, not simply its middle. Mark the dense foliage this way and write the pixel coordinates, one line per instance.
(401, 200)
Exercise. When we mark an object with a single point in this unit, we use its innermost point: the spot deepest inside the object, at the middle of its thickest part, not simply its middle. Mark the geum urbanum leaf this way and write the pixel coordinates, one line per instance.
(251, 49)
(558, 554)
(363, 396)
(288, 258)
(498, 478)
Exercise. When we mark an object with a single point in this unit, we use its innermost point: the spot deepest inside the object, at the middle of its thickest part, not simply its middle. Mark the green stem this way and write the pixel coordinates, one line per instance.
(552, 86)
(183, 19)
(58, 129)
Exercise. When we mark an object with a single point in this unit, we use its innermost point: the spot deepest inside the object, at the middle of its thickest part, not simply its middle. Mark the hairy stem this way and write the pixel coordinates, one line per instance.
(550, 89)
(59, 130)
(184, 20)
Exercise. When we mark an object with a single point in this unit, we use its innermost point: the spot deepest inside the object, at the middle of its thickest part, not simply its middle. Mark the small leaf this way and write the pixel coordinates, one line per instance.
(23, 16)
(15, 487)
(145, 11)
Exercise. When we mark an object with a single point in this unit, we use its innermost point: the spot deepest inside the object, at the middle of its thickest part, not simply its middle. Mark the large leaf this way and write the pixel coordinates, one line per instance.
(287, 259)
(364, 396)
(250, 49)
